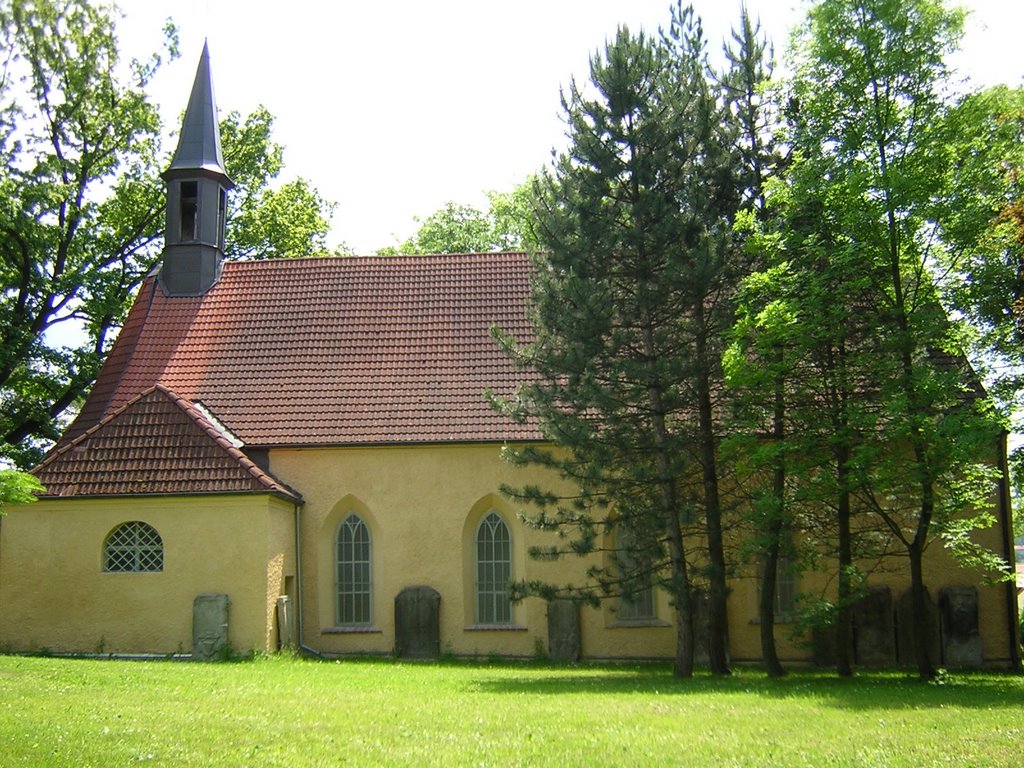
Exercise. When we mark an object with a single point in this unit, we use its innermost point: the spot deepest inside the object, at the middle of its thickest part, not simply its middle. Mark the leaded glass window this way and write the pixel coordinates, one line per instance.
(637, 606)
(133, 547)
(493, 571)
(785, 590)
(354, 585)
(636, 602)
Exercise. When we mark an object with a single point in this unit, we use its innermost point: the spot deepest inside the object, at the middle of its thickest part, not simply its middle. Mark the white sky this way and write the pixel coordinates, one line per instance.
(393, 108)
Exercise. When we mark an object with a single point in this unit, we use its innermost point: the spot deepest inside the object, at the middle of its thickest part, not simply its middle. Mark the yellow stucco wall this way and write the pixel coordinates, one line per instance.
(422, 505)
(55, 595)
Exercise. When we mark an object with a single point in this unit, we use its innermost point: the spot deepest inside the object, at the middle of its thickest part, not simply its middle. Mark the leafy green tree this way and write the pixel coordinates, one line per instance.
(81, 205)
(454, 228)
(70, 131)
(745, 86)
(17, 488)
(983, 138)
(266, 222)
(506, 225)
(512, 217)
(869, 92)
(796, 363)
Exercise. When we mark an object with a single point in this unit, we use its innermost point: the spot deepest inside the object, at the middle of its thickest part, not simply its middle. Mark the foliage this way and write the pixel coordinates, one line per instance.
(17, 488)
(79, 186)
(1017, 491)
(746, 87)
(867, 114)
(81, 205)
(454, 228)
(459, 228)
(265, 222)
(633, 225)
(982, 218)
(86, 713)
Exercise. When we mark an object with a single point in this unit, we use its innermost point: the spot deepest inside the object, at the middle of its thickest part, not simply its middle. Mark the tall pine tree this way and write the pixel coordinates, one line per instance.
(628, 309)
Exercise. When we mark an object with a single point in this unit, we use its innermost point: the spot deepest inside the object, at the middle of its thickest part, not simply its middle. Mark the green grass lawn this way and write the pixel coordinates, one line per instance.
(289, 712)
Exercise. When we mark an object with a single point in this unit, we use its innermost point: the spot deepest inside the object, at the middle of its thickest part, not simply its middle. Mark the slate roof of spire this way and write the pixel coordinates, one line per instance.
(157, 443)
(332, 351)
(199, 141)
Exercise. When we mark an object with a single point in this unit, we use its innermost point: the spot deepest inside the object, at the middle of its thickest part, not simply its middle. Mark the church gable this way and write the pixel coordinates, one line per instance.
(158, 443)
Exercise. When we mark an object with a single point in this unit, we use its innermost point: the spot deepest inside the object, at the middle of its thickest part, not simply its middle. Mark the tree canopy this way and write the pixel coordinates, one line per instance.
(815, 234)
(460, 228)
(82, 205)
(634, 222)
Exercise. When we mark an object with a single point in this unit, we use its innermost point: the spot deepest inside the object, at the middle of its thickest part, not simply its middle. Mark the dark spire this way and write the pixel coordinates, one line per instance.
(199, 142)
(197, 187)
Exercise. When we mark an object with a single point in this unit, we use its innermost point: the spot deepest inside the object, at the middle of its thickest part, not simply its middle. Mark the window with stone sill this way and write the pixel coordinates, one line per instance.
(133, 547)
(785, 591)
(493, 571)
(636, 603)
(354, 586)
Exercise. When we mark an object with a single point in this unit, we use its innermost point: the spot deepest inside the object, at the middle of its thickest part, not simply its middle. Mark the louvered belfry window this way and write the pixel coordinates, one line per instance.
(133, 547)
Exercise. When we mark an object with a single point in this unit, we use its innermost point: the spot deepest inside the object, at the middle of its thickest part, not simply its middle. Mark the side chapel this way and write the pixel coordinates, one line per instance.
(300, 452)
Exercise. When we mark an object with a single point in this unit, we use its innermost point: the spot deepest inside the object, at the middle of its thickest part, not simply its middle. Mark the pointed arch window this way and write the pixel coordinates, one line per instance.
(493, 571)
(133, 547)
(353, 547)
(636, 600)
(785, 590)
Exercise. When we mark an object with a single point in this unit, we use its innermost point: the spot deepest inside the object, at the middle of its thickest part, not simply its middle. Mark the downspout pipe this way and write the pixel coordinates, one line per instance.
(1006, 523)
(303, 648)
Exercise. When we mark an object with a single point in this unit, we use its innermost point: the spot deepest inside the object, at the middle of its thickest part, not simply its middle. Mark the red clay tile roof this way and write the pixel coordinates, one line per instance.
(334, 351)
(158, 443)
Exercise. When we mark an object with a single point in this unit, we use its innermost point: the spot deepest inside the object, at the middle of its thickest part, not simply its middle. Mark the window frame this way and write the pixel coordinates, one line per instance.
(137, 553)
(492, 560)
(785, 590)
(357, 588)
(641, 606)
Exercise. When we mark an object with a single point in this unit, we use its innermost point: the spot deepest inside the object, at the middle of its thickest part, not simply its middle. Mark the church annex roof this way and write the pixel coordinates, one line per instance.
(332, 351)
(157, 443)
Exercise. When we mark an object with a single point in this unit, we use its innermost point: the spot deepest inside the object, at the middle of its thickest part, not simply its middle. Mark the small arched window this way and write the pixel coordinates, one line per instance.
(493, 571)
(133, 547)
(353, 577)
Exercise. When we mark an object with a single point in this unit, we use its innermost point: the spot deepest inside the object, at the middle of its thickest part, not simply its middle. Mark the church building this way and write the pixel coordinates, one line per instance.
(301, 452)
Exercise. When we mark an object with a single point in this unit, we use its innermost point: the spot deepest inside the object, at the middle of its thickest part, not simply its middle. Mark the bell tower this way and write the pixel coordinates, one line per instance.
(197, 187)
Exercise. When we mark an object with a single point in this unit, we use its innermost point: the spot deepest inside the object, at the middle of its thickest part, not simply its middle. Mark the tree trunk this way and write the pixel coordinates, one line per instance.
(773, 531)
(925, 665)
(680, 580)
(844, 598)
(766, 613)
(718, 616)
(683, 599)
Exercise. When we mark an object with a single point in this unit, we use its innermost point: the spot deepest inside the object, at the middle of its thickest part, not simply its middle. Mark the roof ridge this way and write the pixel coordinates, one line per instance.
(333, 259)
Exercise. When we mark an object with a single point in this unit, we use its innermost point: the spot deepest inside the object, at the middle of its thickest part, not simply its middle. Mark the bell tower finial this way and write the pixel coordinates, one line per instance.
(197, 187)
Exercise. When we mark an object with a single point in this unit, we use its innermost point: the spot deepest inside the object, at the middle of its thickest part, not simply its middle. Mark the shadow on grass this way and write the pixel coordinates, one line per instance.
(866, 691)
